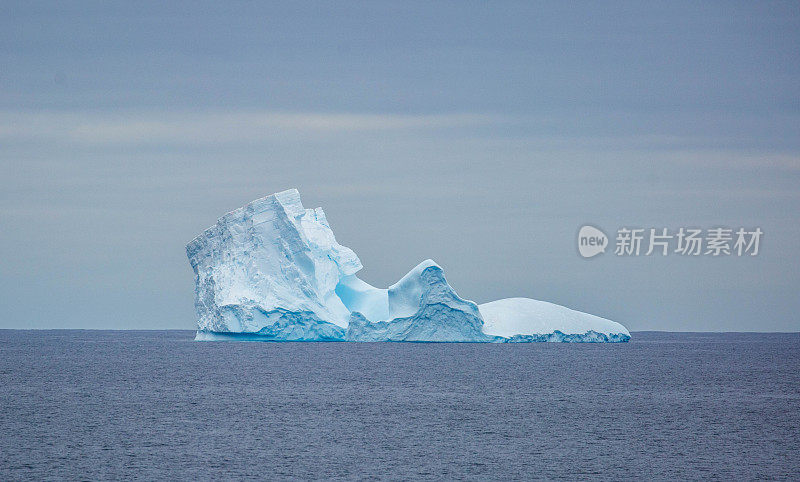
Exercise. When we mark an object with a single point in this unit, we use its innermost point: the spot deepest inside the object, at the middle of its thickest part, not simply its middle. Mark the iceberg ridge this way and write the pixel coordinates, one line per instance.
(422, 306)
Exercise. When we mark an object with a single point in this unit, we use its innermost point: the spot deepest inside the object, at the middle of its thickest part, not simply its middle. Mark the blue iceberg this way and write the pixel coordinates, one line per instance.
(273, 271)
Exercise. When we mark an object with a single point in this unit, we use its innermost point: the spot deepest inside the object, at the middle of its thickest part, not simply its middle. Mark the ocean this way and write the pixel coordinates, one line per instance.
(157, 405)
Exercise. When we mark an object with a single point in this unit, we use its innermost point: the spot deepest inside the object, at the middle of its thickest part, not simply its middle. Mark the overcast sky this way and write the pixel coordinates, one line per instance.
(479, 134)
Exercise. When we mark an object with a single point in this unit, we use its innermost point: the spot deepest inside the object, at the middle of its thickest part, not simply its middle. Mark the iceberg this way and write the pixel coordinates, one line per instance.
(272, 270)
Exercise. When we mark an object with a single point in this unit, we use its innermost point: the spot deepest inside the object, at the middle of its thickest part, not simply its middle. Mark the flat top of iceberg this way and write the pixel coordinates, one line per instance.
(514, 316)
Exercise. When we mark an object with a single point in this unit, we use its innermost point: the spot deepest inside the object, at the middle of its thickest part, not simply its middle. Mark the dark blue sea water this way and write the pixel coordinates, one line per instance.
(157, 405)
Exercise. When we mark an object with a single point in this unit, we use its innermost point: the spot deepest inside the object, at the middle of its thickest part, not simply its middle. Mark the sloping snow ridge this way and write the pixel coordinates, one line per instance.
(273, 271)
(524, 319)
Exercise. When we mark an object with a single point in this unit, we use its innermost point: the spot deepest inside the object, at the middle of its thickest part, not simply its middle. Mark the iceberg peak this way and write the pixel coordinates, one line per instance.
(270, 256)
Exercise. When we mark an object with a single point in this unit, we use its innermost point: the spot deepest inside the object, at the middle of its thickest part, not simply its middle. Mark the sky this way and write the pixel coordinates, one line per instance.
(482, 135)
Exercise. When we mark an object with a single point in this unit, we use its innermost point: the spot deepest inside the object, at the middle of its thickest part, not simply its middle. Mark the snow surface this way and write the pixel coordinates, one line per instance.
(272, 270)
(517, 316)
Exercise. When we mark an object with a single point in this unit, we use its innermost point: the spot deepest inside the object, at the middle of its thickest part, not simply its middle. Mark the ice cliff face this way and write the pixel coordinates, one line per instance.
(271, 267)
(272, 270)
